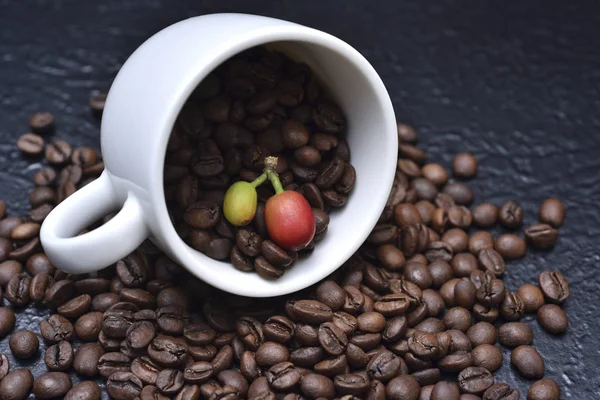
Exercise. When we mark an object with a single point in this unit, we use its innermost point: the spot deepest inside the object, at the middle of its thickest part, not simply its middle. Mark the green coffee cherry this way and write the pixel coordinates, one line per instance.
(239, 205)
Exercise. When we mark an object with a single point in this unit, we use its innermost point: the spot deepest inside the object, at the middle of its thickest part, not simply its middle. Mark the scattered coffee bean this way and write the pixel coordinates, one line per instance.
(86, 390)
(52, 385)
(553, 319)
(554, 286)
(532, 297)
(552, 212)
(31, 144)
(510, 246)
(510, 214)
(485, 215)
(528, 362)
(544, 389)
(501, 391)
(16, 385)
(464, 165)
(59, 357)
(541, 236)
(475, 380)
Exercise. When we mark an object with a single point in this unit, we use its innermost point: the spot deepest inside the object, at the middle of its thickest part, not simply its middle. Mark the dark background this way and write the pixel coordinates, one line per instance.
(516, 83)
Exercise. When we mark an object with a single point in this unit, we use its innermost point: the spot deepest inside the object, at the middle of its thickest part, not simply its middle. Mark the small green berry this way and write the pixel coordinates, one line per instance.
(239, 205)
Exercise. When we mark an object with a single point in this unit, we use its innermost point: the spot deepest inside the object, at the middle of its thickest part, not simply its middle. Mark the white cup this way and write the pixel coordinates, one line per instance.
(142, 106)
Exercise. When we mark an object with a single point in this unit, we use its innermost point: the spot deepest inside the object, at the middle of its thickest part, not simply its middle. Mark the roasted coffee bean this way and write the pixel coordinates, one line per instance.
(169, 381)
(552, 212)
(167, 351)
(445, 391)
(107, 343)
(334, 198)
(39, 263)
(439, 251)
(248, 366)
(23, 344)
(103, 301)
(151, 392)
(25, 231)
(487, 356)
(485, 313)
(459, 217)
(424, 189)
(52, 385)
(512, 308)
(383, 366)
(434, 302)
(56, 328)
(145, 369)
(460, 192)
(391, 305)
(458, 318)
(112, 362)
(45, 177)
(39, 285)
(554, 286)
(332, 338)
(314, 386)
(501, 391)
(544, 389)
(132, 270)
(510, 246)
(475, 380)
(271, 353)
(266, 270)
(528, 362)
(482, 333)
(541, 236)
(457, 239)
(407, 133)
(456, 362)
(479, 241)
(510, 214)
(41, 195)
(490, 260)
(58, 152)
(485, 215)
(116, 322)
(491, 291)
(59, 357)
(310, 311)
(351, 384)
(464, 165)
(86, 359)
(406, 214)
(59, 293)
(31, 144)
(424, 345)
(427, 376)
(307, 357)
(76, 307)
(123, 386)
(417, 274)
(86, 390)
(447, 292)
(441, 272)
(532, 297)
(6, 227)
(553, 319)
(9, 269)
(403, 387)
(464, 293)
(17, 290)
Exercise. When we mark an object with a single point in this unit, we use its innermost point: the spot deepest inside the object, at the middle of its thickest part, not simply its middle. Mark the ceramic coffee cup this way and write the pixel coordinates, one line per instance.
(141, 108)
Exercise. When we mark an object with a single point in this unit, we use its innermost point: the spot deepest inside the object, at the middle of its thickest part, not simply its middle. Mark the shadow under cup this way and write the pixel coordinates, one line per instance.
(355, 87)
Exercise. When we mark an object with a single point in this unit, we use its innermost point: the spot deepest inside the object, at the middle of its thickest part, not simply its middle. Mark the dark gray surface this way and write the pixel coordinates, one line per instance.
(516, 83)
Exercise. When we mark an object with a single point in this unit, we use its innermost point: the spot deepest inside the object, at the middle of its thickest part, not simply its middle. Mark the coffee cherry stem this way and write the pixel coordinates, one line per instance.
(270, 166)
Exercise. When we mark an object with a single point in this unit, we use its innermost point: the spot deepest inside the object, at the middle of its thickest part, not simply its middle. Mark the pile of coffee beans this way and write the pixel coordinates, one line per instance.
(259, 103)
(418, 313)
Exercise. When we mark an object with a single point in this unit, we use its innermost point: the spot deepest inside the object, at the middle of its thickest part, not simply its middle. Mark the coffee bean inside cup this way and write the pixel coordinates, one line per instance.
(258, 104)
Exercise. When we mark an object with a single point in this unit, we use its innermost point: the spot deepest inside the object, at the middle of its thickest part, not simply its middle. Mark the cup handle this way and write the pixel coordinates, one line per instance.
(102, 246)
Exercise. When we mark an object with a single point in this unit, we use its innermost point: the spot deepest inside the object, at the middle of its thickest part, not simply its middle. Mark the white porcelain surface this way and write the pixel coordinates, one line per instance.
(140, 110)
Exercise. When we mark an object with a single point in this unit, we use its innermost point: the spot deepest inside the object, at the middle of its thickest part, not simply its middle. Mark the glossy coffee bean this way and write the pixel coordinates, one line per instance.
(16, 385)
(553, 319)
(528, 362)
(554, 286)
(544, 389)
(510, 246)
(532, 297)
(552, 212)
(52, 385)
(541, 236)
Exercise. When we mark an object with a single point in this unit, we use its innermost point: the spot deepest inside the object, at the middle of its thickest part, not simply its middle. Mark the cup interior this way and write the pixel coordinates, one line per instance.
(354, 85)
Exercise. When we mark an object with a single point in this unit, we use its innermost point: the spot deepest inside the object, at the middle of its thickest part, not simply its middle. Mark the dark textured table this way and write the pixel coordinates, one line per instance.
(516, 83)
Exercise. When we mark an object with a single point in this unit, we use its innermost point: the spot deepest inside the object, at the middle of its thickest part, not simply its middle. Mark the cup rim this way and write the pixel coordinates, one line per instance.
(285, 32)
